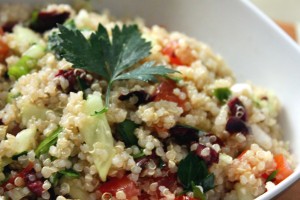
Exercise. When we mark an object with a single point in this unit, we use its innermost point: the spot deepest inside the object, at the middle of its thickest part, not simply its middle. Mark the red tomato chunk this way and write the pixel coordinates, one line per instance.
(3, 48)
(164, 91)
(185, 198)
(284, 170)
(124, 184)
(169, 50)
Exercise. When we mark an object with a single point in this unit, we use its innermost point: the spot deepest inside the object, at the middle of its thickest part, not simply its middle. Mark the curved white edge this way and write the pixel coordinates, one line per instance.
(281, 186)
(269, 22)
(272, 24)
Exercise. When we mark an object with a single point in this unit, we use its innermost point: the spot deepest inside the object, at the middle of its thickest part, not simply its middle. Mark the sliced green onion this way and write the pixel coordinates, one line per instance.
(22, 67)
(138, 155)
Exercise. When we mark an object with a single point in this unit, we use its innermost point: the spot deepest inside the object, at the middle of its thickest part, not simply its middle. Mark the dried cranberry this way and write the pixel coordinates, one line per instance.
(8, 26)
(237, 109)
(15, 130)
(210, 157)
(142, 96)
(265, 98)
(47, 20)
(77, 78)
(147, 160)
(236, 125)
(218, 140)
(168, 180)
(185, 135)
(34, 184)
(21, 174)
(36, 187)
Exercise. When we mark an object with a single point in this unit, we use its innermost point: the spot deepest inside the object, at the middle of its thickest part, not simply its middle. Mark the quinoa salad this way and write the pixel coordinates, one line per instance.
(93, 107)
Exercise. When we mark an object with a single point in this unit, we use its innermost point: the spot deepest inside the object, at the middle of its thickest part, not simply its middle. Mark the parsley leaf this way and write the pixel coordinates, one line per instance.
(54, 40)
(125, 131)
(191, 169)
(208, 182)
(111, 59)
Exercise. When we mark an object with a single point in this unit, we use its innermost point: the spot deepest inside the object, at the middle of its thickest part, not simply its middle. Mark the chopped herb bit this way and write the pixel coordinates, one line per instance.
(47, 142)
(15, 157)
(7, 175)
(161, 163)
(125, 130)
(70, 173)
(272, 176)
(67, 172)
(222, 94)
(109, 58)
(82, 84)
(191, 169)
(11, 96)
(208, 182)
(197, 192)
(54, 178)
(138, 155)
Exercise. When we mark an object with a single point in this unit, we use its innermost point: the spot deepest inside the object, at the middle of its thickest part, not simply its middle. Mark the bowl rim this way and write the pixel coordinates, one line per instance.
(289, 42)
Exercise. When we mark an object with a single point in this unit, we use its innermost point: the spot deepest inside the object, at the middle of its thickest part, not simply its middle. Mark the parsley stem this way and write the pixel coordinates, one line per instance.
(107, 95)
(105, 108)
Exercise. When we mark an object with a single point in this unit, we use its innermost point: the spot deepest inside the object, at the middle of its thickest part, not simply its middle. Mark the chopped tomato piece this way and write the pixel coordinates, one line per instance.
(169, 181)
(265, 175)
(164, 91)
(241, 154)
(283, 168)
(3, 47)
(184, 197)
(169, 50)
(123, 184)
(159, 129)
(3, 50)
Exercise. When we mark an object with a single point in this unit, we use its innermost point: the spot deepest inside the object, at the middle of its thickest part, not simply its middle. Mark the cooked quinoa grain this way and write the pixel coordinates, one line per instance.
(69, 132)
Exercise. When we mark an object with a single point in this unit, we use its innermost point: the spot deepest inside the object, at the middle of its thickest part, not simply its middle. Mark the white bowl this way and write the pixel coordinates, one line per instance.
(251, 43)
(253, 46)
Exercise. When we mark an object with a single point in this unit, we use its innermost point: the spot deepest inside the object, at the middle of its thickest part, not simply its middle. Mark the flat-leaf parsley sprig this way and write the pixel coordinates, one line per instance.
(111, 59)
